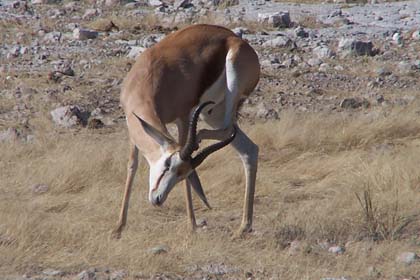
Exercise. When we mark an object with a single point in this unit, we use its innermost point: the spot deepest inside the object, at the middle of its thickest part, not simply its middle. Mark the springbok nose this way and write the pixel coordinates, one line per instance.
(158, 200)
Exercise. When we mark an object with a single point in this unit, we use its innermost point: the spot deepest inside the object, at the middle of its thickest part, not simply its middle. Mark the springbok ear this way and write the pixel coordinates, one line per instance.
(162, 139)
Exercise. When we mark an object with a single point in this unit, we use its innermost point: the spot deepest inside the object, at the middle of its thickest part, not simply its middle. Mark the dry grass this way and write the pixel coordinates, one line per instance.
(312, 168)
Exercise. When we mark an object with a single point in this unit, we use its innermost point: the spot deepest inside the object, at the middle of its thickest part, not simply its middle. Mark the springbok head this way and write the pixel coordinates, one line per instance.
(176, 164)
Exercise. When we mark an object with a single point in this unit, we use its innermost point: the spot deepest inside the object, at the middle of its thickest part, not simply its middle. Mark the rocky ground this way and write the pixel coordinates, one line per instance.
(62, 63)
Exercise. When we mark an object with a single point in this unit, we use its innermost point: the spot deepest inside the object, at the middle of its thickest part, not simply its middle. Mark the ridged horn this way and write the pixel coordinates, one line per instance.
(191, 143)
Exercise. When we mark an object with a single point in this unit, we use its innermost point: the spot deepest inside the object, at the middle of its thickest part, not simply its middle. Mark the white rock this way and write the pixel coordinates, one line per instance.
(324, 67)
(23, 50)
(71, 6)
(397, 38)
(155, 3)
(135, 51)
(416, 35)
(69, 116)
(407, 257)
(336, 250)
(90, 13)
(314, 62)
(265, 112)
(38, 2)
(52, 37)
(84, 34)
(278, 19)
(161, 249)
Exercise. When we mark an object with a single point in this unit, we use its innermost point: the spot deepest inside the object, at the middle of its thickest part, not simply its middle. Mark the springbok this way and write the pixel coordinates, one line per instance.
(203, 69)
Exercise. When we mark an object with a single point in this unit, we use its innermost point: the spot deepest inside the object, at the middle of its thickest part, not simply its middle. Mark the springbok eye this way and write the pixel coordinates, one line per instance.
(167, 163)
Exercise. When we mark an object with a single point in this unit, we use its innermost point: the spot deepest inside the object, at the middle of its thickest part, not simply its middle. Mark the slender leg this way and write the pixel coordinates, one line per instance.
(131, 172)
(215, 134)
(189, 205)
(182, 135)
(248, 152)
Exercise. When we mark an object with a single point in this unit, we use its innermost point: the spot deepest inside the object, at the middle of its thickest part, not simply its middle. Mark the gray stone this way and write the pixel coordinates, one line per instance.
(324, 67)
(135, 52)
(69, 116)
(118, 275)
(52, 272)
(111, 3)
(9, 135)
(350, 103)
(279, 42)
(182, 4)
(301, 32)
(150, 40)
(382, 72)
(405, 67)
(52, 37)
(84, 34)
(40, 189)
(65, 69)
(295, 247)
(355, 47)
(278, 19)
(218, 269)
(267, 113)
(239, 31)
(380, 99)
(55, 13)
(407, 258)
(14, 52)
(314, 62)
(161, 249)
(323, 51)
(86, 275)
(24, 50)
(373, 272)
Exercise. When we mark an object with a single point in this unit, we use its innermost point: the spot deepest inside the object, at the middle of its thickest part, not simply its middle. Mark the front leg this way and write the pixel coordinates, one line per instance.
(131, 172)
(189, 206)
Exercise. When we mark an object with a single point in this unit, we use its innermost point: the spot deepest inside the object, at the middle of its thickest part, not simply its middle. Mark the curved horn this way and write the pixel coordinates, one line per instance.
(190, 144)
(197, 160)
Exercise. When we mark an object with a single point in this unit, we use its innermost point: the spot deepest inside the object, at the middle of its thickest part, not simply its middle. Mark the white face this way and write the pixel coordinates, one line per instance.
(164, 175)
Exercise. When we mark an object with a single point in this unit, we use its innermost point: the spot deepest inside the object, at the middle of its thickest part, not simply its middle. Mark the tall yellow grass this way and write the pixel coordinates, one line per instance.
(312, 169)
